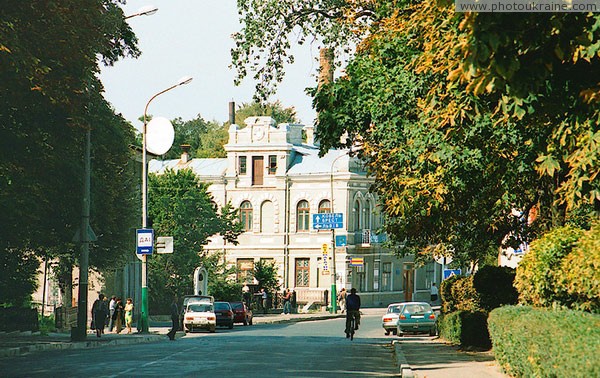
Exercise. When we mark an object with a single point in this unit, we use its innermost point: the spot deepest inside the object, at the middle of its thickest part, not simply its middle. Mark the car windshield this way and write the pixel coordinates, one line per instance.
(417, 308)
(222, 306)
(200, 307)
(393, 310)
(237, 306)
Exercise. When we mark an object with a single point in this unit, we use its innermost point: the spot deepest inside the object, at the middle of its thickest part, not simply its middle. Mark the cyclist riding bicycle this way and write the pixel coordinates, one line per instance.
(352, 311)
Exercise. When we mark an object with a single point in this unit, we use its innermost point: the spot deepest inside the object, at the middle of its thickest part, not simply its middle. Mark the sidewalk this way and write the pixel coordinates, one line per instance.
(20, 343)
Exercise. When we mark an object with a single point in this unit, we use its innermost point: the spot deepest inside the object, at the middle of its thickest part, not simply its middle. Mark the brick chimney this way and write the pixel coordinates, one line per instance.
(185, 155)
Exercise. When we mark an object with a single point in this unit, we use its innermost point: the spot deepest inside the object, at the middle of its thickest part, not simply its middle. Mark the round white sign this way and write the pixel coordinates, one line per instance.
(159, 136)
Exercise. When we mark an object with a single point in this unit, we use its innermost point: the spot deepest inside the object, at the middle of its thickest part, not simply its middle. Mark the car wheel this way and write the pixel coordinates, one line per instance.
(245, 322)
(433, 331)
(250, 322)
(231, 325)
(212, 330)
(387, 332)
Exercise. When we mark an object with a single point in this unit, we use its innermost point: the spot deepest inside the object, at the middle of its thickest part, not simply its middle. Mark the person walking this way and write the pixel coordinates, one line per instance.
(111, 312)
(342, 299)
(286, 301)
(118, 316)
(434, 293)
(129, 314)
(264, 296)
(99, 314)
(352, 311)
(174, 319)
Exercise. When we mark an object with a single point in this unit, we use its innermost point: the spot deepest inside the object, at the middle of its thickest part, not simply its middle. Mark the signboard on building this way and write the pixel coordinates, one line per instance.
(325, 255)
(357, 261)
(328, 221)
(341, 240)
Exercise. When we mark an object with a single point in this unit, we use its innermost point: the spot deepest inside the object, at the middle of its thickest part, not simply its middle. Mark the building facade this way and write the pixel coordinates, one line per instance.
(279, 183)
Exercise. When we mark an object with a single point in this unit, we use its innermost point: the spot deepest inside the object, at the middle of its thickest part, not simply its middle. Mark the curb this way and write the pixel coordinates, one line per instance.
(18, 351)
(403, 366)
(302, 319)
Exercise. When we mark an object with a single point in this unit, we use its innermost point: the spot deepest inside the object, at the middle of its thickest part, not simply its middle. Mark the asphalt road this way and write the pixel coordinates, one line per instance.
(305, 349)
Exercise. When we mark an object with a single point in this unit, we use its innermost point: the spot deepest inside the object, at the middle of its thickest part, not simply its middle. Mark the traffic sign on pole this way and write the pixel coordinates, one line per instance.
(328, 221)
(145, 241)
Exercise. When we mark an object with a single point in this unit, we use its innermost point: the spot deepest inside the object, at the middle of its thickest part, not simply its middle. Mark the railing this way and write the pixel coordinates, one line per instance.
(366, 237)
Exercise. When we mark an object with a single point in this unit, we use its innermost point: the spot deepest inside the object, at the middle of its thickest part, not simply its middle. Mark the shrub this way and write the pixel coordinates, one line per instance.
(465, 296)
(465, 328)
(448, 301)
(539, 270)
(18, 319)
(536, 342)
(580, 277)
(494, 285)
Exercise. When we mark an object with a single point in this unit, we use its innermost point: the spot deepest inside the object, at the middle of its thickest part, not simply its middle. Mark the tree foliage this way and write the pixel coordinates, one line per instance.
(206, 139)
(463, 117)
(180, 206)
(265, 273)
(276, 110)
(49, 98)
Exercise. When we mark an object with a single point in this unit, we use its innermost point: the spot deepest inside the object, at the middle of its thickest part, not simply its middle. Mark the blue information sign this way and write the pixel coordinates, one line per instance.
(144, 241)
(341, 240)
(451, 272)
(328, 221)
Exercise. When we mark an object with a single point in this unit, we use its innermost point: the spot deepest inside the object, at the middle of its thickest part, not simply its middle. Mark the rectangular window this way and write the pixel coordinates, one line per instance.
(245, 272)
(242, 165)
(362, 277)
(302, 272)
(272, 164)
(386, 277)
(376, 275)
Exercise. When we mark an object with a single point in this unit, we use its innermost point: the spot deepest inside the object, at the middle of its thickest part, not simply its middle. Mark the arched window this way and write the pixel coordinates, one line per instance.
(324, 207)
(302, 216)
(368, 215)
(267, 217)
(246, 215)
(357, 216)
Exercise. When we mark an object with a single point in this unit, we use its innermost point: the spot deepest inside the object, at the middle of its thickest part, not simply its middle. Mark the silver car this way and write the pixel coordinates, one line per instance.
(389, 321)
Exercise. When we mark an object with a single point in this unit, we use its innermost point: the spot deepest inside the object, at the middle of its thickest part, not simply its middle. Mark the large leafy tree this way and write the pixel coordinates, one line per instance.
(463, 117)
(206, 139)
(49, 97)
(180, 206)
(276, 110)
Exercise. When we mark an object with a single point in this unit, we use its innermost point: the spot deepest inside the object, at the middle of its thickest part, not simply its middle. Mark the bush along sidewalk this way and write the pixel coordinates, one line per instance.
(542, 342)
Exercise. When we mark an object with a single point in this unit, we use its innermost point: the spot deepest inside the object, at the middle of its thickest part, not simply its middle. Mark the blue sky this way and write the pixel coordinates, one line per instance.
(193, 38)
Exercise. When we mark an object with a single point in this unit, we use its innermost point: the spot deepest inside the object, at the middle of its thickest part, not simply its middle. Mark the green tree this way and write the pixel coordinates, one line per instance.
(222, 284)
(49, 98)
(265, 272)
(180, 206)
(206, 139)
(275, 110)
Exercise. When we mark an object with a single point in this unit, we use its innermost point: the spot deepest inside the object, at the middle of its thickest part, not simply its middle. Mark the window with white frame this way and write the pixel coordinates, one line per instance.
(302, 216)
(246, 215)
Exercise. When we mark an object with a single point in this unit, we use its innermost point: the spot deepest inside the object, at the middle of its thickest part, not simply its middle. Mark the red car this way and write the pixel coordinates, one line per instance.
(241, 313)
(224, 314)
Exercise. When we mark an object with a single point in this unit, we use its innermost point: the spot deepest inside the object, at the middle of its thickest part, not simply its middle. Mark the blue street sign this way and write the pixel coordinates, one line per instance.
(328, 221)
(451, 272)
(341, 240)
(144, 241)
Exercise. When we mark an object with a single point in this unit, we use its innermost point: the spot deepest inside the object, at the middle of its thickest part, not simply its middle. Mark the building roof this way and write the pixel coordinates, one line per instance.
(215, 167)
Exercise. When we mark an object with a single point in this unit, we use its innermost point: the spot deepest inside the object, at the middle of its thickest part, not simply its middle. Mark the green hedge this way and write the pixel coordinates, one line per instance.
(536, 342)
(465, 328)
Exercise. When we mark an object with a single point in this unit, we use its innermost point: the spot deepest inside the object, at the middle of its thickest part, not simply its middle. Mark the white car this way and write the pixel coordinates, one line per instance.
(200, 315)
(389, 321)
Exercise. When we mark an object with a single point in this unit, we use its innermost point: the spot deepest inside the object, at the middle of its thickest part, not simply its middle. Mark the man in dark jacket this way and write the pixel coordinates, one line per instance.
(352, 310)
(174, 319)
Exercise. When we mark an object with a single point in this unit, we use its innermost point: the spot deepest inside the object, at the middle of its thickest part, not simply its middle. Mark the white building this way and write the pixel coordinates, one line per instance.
(278, 183)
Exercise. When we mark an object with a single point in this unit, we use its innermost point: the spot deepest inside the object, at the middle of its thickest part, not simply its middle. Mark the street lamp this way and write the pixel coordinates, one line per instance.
(353, 148)
(144, 314)
(148, 10)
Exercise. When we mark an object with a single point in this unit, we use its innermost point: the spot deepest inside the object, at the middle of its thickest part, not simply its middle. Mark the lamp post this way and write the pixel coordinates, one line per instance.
(144, 314)
(148, 10)
(353, 148)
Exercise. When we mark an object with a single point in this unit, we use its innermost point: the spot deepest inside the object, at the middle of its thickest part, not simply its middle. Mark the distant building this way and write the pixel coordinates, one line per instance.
(278, 182)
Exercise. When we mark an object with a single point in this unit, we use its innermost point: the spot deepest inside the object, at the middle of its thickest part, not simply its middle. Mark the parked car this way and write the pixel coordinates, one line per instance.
(224, 314)
(188, 299)
(389, 321)
(241, 313)
(417, 317)
(199, 315)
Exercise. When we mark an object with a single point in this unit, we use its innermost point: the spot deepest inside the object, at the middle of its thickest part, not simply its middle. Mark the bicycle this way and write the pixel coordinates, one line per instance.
(352, 324)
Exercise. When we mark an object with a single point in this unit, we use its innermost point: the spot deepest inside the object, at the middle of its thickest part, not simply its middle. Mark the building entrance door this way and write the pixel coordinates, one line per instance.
(408, 276)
